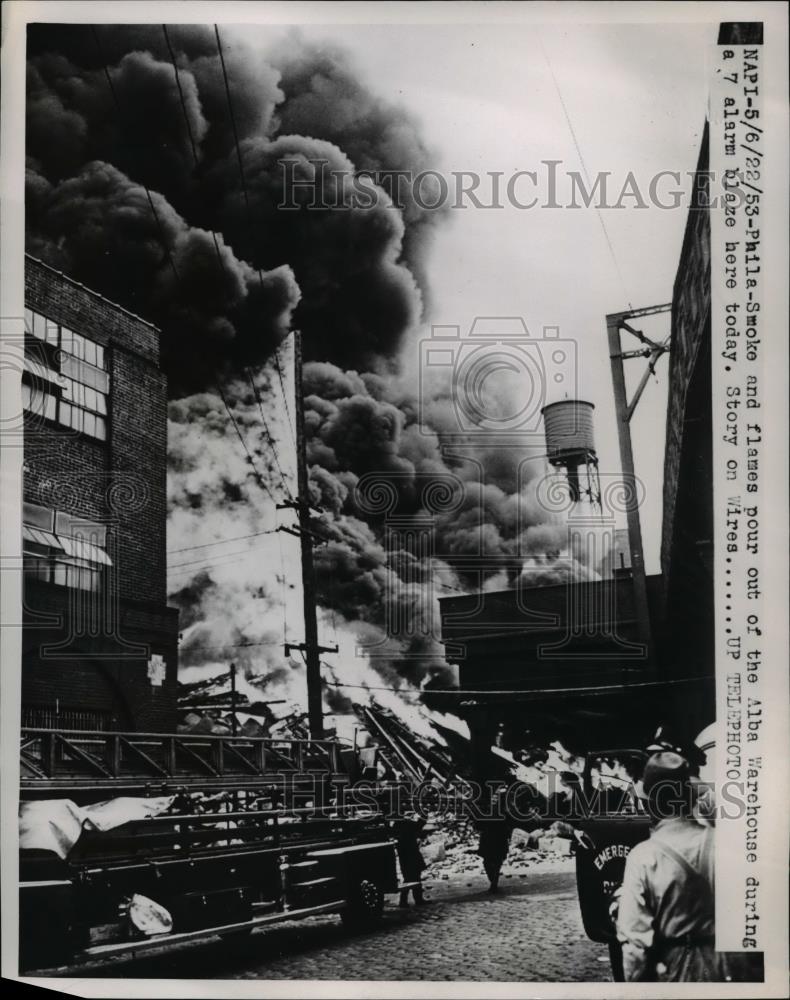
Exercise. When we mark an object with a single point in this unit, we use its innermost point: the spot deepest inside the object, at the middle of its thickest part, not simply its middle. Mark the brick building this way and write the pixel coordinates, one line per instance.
(99, 641)
(687, 528)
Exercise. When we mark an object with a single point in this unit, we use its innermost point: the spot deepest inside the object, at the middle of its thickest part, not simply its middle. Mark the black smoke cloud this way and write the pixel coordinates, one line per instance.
(380, 138)
(109, 97)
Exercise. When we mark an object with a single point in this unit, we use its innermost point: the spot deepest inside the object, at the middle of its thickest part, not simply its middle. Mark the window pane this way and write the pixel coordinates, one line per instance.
(51, 332)
(101, 402)
(90, 399)
(99, 356)
(101, 428)
(70, 343)
(89, 423)
(59, 574)
(28, 320)
(51, 407)
(38, 516)
(39, 326)
(64, 415)
(76, 418)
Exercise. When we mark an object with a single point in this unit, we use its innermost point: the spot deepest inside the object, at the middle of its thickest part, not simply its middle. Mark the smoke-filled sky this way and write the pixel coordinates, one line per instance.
(207, 254)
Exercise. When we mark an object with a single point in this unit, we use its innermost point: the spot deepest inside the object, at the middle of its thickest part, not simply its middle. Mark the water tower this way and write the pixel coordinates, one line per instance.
(570, 448)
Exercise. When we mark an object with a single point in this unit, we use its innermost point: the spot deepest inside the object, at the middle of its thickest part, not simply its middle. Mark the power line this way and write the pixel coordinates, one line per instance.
(198, 169)
(584, 168)
(223, 268)
(220, 555)
(192, 143)
(246, 196)
(221, 541)
(221, 262)
(261, 481)
(157, 220)
(151, 205)
(268, 433)
(233, 645)
(525, 691)
(285, 394)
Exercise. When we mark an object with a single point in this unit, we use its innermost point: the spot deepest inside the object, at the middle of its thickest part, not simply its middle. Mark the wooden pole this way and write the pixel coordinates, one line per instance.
(315, 715)
(233, 720)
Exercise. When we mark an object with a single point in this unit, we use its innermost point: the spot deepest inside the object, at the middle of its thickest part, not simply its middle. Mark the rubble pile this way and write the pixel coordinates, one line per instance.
(451, 842)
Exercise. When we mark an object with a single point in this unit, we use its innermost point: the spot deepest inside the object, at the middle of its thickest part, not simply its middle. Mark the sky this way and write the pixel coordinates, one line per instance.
(490, 98)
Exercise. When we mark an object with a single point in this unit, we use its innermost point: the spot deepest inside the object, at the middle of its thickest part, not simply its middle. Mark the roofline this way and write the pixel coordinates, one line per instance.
(548, 586)
(91, 291)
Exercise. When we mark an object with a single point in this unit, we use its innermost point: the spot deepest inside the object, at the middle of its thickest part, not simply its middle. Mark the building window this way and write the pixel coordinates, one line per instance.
(46, 717)
(68, 381)
(63, 549)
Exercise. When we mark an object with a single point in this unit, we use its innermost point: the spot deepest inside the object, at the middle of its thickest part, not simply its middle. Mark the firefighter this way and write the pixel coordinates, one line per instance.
(493, 848)
(408, 831)
(665, 916)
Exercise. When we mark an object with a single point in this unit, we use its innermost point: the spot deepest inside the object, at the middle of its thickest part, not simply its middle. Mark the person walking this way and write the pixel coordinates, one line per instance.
(493, 847)
(408, 830)
(665, 915)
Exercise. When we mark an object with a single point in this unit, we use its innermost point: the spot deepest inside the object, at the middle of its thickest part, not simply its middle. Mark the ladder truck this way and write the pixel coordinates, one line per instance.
(247, 832)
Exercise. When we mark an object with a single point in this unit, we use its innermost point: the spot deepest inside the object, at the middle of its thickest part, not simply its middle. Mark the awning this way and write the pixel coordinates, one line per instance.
(40, 537)
(83, 550)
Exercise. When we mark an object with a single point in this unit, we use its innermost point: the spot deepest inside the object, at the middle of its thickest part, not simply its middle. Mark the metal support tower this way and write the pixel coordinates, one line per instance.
(652, 351)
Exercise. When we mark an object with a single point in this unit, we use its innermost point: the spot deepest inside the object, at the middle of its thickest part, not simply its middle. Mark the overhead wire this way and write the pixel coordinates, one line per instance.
(117, 103)
(215, 561)
(158, 222)
(584, 168)
(246, 197)
(235, 645)
(261, 481)
(268, 433)
(222, 541)
(596, 689)
(220, 260)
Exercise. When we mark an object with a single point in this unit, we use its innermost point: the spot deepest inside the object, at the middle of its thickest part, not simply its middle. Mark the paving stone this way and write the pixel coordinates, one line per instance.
(531, 931)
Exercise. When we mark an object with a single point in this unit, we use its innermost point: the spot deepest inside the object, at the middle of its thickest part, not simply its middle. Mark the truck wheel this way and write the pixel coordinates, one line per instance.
(364, 906)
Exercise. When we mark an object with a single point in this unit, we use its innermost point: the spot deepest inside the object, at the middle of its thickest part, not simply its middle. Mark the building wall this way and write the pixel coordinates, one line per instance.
(687, 531)
(690, 335)
(120, 482)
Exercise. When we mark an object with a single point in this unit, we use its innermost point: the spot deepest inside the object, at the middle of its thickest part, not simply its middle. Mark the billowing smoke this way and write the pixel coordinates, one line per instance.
(137, 187)
(111, 113)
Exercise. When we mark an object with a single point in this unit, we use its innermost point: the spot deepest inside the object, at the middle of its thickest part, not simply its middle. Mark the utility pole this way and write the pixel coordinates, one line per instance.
(315, 715)
(234, 724)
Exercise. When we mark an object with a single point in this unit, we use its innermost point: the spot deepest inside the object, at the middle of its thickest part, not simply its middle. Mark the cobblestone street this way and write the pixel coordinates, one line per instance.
(531, 931)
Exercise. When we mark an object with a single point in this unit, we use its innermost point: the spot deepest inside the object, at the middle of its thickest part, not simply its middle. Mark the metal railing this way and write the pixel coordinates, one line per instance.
(167, 760)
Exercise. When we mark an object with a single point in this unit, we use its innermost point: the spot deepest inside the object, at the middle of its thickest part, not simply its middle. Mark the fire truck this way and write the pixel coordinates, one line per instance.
(218, 835)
